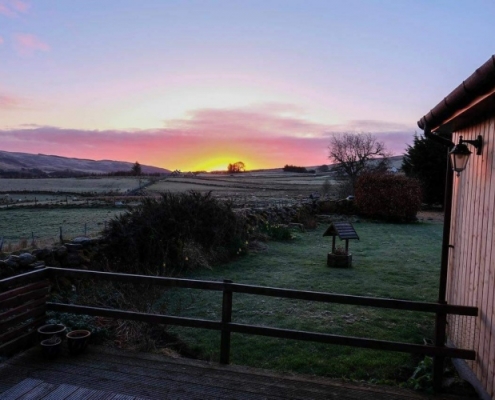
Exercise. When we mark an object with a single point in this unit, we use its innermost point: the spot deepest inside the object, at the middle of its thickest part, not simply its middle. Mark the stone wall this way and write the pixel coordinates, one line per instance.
(74, 254)
(79, 252)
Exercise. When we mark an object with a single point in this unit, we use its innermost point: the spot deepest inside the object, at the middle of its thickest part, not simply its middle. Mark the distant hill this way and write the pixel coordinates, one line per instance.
(50, 164)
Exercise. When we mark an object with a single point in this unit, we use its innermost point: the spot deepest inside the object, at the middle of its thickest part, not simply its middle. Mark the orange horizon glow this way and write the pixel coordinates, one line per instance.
(201, 148)
(221, 163)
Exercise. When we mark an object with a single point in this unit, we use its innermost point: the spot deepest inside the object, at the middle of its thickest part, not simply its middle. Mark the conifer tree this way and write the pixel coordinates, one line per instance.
(426, 160)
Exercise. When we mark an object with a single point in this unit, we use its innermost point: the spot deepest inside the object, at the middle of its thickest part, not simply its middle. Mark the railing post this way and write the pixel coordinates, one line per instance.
(226, 319)
(440, 338)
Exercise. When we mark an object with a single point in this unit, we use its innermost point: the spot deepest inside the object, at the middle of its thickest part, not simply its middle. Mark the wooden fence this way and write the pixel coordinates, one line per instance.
(22, 309)
(226, 326)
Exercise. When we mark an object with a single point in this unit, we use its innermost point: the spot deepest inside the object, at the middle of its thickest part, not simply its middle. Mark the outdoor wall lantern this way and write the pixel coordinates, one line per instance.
(460, 153)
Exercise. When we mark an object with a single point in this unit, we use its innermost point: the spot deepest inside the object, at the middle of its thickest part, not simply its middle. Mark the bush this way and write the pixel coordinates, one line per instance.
(306, 217)
(178, 231)
(276, 231)
(388, 196)
(326, 188)
(344, 189)
(344, 207)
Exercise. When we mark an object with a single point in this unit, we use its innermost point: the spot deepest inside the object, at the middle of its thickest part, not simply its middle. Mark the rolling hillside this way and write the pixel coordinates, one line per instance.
(10, 161)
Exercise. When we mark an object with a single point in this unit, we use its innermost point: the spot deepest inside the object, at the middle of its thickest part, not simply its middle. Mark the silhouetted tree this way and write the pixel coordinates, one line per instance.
(426, 160)
(354, 152)
(136, 169)
(239, 166)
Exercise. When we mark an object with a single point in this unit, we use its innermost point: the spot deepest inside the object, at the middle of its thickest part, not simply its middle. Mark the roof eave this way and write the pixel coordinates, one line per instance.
(475, 90)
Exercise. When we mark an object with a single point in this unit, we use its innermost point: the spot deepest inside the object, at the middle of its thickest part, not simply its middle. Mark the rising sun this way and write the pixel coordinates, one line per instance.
(218, 163)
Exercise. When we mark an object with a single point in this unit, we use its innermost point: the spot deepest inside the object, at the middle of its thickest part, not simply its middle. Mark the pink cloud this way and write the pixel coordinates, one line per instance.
(262, 140)
(1, 40)
(20, 6)
(26, 44)
(12, 8)
(245, 122)
(366, 125)
(184, 148)
(9, 102)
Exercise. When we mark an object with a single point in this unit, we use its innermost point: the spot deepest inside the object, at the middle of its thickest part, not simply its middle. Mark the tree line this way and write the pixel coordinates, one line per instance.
(425, 160)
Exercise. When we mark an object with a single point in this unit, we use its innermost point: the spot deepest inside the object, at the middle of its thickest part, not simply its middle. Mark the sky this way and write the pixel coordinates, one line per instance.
(196, 85)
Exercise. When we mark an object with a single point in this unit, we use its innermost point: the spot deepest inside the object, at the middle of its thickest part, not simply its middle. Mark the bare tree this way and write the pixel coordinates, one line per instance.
(353, 153)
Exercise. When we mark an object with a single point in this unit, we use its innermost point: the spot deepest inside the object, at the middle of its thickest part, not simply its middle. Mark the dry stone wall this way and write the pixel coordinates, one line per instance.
(74, 254)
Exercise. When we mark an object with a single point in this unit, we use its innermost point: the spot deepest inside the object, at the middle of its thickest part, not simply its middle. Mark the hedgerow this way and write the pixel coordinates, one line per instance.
(388, 196)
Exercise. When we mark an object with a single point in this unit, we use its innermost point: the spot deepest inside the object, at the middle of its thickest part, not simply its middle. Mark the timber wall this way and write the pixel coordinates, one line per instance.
(471, 279)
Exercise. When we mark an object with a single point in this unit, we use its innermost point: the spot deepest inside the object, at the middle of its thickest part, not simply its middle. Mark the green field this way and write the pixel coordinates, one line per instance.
(18, 224)
(393, 261)
(72, 185)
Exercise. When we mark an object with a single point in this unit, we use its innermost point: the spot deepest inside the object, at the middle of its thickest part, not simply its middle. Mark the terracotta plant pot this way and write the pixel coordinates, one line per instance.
(77, 341)
(339, 260)
(48, 331)
(51, 347)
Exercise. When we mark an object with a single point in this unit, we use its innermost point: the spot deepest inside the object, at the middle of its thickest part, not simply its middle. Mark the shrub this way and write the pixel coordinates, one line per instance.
(344, 189)
(345, 207)
(176, 232)
(276, 231)
(388, 196)
(306, 217)
(326, 188)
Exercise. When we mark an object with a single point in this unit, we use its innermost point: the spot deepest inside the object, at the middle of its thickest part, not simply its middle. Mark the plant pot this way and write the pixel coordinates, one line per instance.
(77, 341)
(48, 331)
(339, 260)
(51, 347)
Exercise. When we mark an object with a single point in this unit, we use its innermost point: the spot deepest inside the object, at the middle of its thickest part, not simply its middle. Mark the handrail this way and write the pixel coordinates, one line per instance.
(226, 326)
(23, 278)
(229, 327)
(270, 291)
(137, 279)
(135, 316)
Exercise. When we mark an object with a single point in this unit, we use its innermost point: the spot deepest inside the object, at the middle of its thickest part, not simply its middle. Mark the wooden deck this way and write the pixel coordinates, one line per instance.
(105, 373)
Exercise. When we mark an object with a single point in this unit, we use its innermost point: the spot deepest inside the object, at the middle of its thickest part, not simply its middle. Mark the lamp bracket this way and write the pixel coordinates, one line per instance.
(477, 143)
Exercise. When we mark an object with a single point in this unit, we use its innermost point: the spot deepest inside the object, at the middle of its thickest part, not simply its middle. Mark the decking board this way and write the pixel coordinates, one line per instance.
(20, 389)
(61, 392)
(113, 374)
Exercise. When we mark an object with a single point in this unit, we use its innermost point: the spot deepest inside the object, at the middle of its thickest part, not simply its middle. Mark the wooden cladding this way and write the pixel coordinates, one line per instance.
(471, 276)
(22, 310)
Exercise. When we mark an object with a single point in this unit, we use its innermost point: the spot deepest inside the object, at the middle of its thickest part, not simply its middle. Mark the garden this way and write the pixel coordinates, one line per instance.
(196, 236)
(390, 261)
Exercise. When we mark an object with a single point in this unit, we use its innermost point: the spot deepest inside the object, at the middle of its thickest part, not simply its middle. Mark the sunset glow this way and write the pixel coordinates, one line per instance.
(219, 163)
(200, 84)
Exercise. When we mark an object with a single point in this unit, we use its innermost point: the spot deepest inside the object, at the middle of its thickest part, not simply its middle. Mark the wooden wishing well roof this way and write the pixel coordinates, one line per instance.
(344, 230)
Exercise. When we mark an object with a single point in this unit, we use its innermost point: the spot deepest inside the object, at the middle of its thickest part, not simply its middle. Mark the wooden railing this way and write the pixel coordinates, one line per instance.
(226, 326)
(23, 302)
